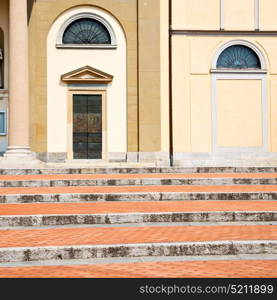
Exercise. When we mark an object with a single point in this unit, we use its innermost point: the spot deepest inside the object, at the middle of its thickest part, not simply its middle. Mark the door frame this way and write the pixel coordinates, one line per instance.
(260, 75)
(70, 95)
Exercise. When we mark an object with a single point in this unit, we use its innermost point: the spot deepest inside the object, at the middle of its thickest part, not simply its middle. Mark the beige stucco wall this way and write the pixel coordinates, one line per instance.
(239, 15)
(236, 14)
(44, 13)
(196, 14)
(164, 46)
(149, 76)
(192, 95)
(239, 113)
(268, 15)
(61, 61)
(147, 103)
(273, 113)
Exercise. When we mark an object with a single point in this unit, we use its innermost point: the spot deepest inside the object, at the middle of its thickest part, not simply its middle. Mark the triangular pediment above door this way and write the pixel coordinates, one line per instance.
(87, 74)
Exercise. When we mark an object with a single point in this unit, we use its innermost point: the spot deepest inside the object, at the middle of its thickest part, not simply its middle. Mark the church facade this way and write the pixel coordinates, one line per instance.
(170, 82)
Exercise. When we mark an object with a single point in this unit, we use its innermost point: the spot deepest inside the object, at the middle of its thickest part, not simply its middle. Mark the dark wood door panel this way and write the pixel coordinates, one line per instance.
(87, 126)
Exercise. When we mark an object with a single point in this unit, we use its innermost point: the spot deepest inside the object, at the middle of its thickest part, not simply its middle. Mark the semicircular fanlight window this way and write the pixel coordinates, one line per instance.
(238, 57)
(86, 31)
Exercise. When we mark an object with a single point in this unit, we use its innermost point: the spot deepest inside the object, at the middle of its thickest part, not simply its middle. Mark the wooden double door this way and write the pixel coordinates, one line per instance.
(87, 127)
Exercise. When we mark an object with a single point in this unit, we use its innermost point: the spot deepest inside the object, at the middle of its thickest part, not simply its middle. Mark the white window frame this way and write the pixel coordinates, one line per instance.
(5, 123)
(259, 74)
(60, 44)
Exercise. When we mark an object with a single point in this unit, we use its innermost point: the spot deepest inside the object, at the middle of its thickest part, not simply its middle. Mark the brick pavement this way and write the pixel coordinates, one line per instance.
(131, 207)
(137, 235)
(136, 189)
(132, 235)
(189, 269)
(135, 176)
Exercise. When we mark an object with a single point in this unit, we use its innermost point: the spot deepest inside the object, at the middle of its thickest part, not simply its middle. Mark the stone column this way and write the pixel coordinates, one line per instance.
(18, 84)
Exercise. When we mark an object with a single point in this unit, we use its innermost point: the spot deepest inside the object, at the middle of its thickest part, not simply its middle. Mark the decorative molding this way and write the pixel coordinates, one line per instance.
(218, 74)
(223, 32)
(243, 43)
(77, 46)
(59, 43)
(87, 74)
(239, 76)
(236, 71)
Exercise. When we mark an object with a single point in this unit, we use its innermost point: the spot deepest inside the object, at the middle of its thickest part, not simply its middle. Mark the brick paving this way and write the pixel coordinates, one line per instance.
(135, 176)
(137, 235)
(132, 235)
(138, 207)
(188, 269)
(137, 189)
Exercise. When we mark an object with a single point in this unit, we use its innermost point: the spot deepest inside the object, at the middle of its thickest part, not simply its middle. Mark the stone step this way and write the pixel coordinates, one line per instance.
(143, 219)
(87, 243)
(130, 170)
(245, 267)
(147, 213)
(137, 193)
(64, 180)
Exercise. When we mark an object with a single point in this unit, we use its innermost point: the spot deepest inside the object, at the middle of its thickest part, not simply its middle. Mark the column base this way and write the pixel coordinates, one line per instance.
(19, 156)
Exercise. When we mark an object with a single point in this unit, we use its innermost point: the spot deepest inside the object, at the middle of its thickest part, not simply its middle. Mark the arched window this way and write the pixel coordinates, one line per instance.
(238, 57)
(86, 31)
(239, 89)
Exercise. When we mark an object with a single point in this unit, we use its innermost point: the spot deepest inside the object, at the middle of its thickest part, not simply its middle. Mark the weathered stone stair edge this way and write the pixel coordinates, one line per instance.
(136, 218)
(139, 170)
(147, 196)
(146, 181)
(25, 254)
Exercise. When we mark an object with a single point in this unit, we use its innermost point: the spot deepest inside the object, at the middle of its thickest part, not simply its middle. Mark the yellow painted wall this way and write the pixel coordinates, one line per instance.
(149, 76)
(196, 14)
(273, 113)
(200, 114)
(43, 15)
(192, 94)
(239, 15)
(268, 15)
(111, 61)
(200, 61)
(239, 113)
(164, 44)
(181, 94)
(236, 14)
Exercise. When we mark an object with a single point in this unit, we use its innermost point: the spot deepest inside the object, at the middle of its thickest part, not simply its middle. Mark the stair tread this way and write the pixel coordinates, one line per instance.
(111, 235)
(175, 269)
(134, 176)
(135, 207)
(133, 235)
(137, 189)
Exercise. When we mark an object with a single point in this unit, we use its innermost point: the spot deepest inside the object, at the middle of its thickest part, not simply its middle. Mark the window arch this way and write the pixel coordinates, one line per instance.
(234, 62)
(238, 57)
(86, 30)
